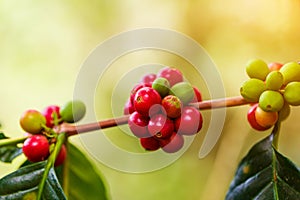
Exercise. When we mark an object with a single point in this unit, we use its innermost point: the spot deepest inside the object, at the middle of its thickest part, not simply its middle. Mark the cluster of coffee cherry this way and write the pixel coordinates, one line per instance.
(160, 114)
(272, 89)
(39, 127)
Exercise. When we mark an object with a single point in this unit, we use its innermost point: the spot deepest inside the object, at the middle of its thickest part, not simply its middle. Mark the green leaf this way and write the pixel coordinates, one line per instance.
(9, 152)
(264, 173)
(23, 184)
(81, 178)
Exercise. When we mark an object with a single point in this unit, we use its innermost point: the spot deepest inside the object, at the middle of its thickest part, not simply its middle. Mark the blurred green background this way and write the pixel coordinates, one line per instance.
(44, 43)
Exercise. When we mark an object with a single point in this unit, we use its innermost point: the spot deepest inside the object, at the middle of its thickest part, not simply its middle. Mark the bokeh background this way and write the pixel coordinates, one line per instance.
(44, 43)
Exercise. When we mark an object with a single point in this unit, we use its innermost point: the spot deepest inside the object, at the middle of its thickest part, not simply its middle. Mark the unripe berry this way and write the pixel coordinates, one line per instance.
(32, 121)
(265, 119)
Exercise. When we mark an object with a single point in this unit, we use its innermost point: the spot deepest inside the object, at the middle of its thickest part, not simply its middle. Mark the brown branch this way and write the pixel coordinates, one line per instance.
(108, 123)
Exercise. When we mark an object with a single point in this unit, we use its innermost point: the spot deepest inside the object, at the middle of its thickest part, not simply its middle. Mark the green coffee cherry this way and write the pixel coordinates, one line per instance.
(184, 91)
(274, 80)
(257, 68)
(292, 93)
(252, 89)
(162, 86)
(73, 111)
(290, 72)
(271, 101)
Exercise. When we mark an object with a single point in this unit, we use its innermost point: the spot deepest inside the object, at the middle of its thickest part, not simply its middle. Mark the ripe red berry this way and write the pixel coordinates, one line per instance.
(148, 78)
(32, 121)
(252, 120)
(138, 125)
(61, 157)
(144, 99)
(36, 148)
(198, 96)
(190, 121)
(171, 74)
(51, 114)
(172, 105)
(160, 126)
(274, 66)
(136, 88)
(150, 143)
(173, 143)
(128, 107)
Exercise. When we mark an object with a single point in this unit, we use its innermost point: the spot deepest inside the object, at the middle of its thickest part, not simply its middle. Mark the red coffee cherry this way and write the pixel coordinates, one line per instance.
(148, 78)
(198, 96)
(190, 121)
(275, 66)
(171, 74)
(172, 106)
(138, 125)
(36, 148)
(160, 126)
(61, 157)
(136, 88)
(144, 99)
(128, 108)
(51, 113)
(150, 143)
(173, 143)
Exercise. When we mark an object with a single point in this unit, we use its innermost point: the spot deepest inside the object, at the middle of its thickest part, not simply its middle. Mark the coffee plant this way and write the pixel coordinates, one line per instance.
(161, 112)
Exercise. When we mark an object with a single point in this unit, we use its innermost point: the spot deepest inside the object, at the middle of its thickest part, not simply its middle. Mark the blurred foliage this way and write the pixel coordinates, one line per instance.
(43, 44)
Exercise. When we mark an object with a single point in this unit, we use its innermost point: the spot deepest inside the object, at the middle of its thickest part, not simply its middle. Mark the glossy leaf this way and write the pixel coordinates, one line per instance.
(23, 184)
(264, 173)
(81, 179)
(9, 152)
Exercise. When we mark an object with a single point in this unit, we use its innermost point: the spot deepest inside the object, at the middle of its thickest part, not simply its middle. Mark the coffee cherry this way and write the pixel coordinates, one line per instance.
(274, 66)
(36, 148)
(258, 69)
(190, 122)
(290, 72)
(252, 120)
(144, 99)
(128, 107)
(61, 157)
(160, 126)
(184, 91)
(171, 74)
(161, 85)
(265, 119)
(138, 125)
(274, 80)
(136, 88)
(173, 143)
(284, 112)
(252, 89)
(271, 101)
(52, 115)
(32, 121)
(73, 111)
(172, 106)
(292, 93)
(148, 78)
(150, 143)
(197, 96)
